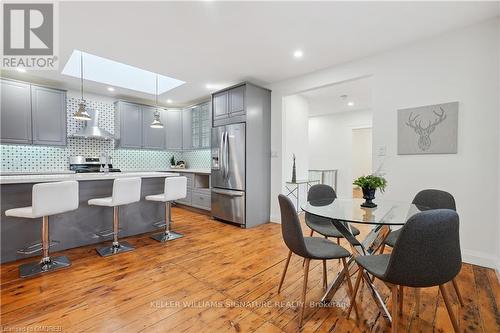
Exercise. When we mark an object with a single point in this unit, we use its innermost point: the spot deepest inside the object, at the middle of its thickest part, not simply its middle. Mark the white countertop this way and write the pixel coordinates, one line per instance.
(27, 178)
(203, 171)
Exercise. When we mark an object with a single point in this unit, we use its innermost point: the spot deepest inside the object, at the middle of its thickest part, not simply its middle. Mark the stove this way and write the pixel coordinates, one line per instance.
(81, 164)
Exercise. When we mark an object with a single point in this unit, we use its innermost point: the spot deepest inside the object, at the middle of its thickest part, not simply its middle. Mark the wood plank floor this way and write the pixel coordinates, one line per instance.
(218, 278)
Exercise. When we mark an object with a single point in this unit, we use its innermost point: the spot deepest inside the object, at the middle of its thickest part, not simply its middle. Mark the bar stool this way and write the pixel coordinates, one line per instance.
(47, 199)
(125, 191)
(175, 189)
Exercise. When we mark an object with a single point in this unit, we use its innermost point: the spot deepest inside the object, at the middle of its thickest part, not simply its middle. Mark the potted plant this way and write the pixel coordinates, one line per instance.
(369, 184)
(172, 161)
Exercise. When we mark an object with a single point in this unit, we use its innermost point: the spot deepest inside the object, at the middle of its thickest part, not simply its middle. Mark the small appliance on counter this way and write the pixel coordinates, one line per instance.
(81, 164)
(179, 165)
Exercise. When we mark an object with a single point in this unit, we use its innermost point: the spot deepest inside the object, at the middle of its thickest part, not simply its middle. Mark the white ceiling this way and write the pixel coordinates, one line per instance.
(328, 100)
(227, 42)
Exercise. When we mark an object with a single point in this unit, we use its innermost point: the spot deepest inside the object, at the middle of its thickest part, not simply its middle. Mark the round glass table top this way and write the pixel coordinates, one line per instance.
(350, 210)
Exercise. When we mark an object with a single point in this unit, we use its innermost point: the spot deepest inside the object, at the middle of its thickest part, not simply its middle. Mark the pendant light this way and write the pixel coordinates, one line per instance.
(156, 120)
(81, 113)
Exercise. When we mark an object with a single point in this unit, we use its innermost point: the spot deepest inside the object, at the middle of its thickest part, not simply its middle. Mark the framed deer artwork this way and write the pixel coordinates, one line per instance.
(431, 129)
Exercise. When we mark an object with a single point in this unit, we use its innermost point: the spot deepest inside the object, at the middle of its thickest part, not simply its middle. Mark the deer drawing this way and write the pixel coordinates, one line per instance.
(424, 133)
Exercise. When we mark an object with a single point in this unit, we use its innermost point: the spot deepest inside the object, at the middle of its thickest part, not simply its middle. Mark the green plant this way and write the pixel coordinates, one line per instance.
(172, 160)
(371, 182)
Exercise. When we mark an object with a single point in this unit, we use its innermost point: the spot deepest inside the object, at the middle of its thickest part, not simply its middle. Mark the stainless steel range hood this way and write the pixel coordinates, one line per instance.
(92, 129)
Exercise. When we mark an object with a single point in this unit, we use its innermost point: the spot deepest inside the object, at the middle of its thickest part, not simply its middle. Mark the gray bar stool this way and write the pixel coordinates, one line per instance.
(47, 199)
(125, 191)
(175, 189)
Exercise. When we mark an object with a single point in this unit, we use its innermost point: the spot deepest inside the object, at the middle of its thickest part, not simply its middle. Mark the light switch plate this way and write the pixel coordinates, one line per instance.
(381, 150)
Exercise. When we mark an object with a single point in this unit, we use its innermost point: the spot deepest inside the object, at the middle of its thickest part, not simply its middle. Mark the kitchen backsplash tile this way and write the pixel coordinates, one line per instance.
(199, 159)
(34, 158)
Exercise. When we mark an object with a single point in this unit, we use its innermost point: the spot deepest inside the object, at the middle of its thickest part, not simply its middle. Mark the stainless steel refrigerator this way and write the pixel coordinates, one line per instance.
(228, 172)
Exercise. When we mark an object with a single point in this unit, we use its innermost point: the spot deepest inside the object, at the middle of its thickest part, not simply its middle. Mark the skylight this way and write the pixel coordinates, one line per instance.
(113, 73)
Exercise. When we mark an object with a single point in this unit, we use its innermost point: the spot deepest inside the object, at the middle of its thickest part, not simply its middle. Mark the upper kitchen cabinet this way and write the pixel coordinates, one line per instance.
(16, 112)
(229, 106)
(206, 126)
(32, 114)
(128, 124)
(48, 110)
(187, 132)
(152, 138)
(237, 101)
(173, 125)
(220, 107)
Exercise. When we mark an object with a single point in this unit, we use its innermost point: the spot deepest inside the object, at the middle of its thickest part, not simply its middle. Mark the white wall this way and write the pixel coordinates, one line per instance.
(330, 144)
(458, 66)
(296, 136)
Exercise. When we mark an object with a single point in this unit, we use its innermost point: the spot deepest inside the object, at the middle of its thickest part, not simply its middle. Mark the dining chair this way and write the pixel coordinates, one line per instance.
(319, 224)
(434, 199)
(309, 248)
(426, 254)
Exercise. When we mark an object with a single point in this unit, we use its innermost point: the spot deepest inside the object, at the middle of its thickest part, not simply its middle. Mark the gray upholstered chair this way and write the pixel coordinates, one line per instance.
(426, 254)
(314, 248)
(434, 199)
(319, 224)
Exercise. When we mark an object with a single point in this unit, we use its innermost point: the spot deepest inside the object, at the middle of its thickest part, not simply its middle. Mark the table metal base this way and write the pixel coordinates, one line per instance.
(369, 246)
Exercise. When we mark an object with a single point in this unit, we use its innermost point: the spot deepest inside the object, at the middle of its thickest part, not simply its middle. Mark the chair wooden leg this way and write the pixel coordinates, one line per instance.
(304, 290)
(356, 287)
(325, 283)
(349, 284)
(457, 290)
(338, 243)
(417, 302)
(312, 232)
(394, 314)
(284, 270)
(382, 248)
(401, 293)
(448, 304)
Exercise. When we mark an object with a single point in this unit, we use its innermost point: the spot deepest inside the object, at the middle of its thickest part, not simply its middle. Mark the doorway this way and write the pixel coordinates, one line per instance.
(361, 156)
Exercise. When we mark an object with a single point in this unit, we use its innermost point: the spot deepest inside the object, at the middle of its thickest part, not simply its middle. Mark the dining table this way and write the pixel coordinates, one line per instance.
(388, 215)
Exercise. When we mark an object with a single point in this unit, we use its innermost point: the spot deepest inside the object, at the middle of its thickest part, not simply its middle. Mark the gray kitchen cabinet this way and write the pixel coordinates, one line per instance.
(220, 107)
(229, 105)
(237, 101)
(129, 124)
(198, 191)
(206, 126)
(173, 125)
(15, 112)
(195, 127)
(152, 138)
(48, 109)
(187, 139)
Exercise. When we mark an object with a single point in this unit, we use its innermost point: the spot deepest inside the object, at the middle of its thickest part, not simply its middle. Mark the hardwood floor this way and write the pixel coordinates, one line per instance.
(219, 278)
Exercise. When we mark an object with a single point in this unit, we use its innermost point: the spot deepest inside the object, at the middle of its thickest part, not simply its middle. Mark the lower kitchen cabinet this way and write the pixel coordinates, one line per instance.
(198, 191)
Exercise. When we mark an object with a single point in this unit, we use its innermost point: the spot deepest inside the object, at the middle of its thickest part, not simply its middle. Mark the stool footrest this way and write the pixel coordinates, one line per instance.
(105, 233)
(36, 247)
(160, 224)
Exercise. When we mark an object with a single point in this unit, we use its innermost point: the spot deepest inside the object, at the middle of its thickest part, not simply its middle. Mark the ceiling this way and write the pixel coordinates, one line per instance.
(223, 43)
(328, 100)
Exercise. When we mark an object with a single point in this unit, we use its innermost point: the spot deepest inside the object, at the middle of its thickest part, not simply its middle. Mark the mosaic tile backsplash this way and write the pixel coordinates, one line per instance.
(35, 158)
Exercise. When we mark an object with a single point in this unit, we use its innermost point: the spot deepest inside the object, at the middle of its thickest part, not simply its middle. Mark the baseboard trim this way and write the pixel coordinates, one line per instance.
(481, 259)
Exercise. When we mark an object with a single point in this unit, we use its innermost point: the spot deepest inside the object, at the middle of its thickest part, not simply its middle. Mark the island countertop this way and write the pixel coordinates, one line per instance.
(42, 178)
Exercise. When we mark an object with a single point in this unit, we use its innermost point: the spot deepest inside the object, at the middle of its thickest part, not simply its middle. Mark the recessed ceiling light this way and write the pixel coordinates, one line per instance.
(117, 74)
(20, 69)
(169, 101)
(298, 53)
(350, 103)
(111, 89)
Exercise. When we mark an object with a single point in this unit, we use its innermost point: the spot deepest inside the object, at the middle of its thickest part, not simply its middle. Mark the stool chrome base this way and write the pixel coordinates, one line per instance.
(35, 268)
(165, 237)
(106, 251)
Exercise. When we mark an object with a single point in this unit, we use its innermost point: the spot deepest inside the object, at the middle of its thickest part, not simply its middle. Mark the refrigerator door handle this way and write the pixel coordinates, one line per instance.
(228, 193)
(226, 152)
(221, 155)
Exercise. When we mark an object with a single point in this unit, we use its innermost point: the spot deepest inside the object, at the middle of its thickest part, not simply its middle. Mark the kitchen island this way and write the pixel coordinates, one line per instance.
(82, 226)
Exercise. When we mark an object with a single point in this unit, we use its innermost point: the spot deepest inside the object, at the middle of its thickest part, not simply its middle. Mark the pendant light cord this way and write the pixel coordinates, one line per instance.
(81, 73)
(156, 93)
